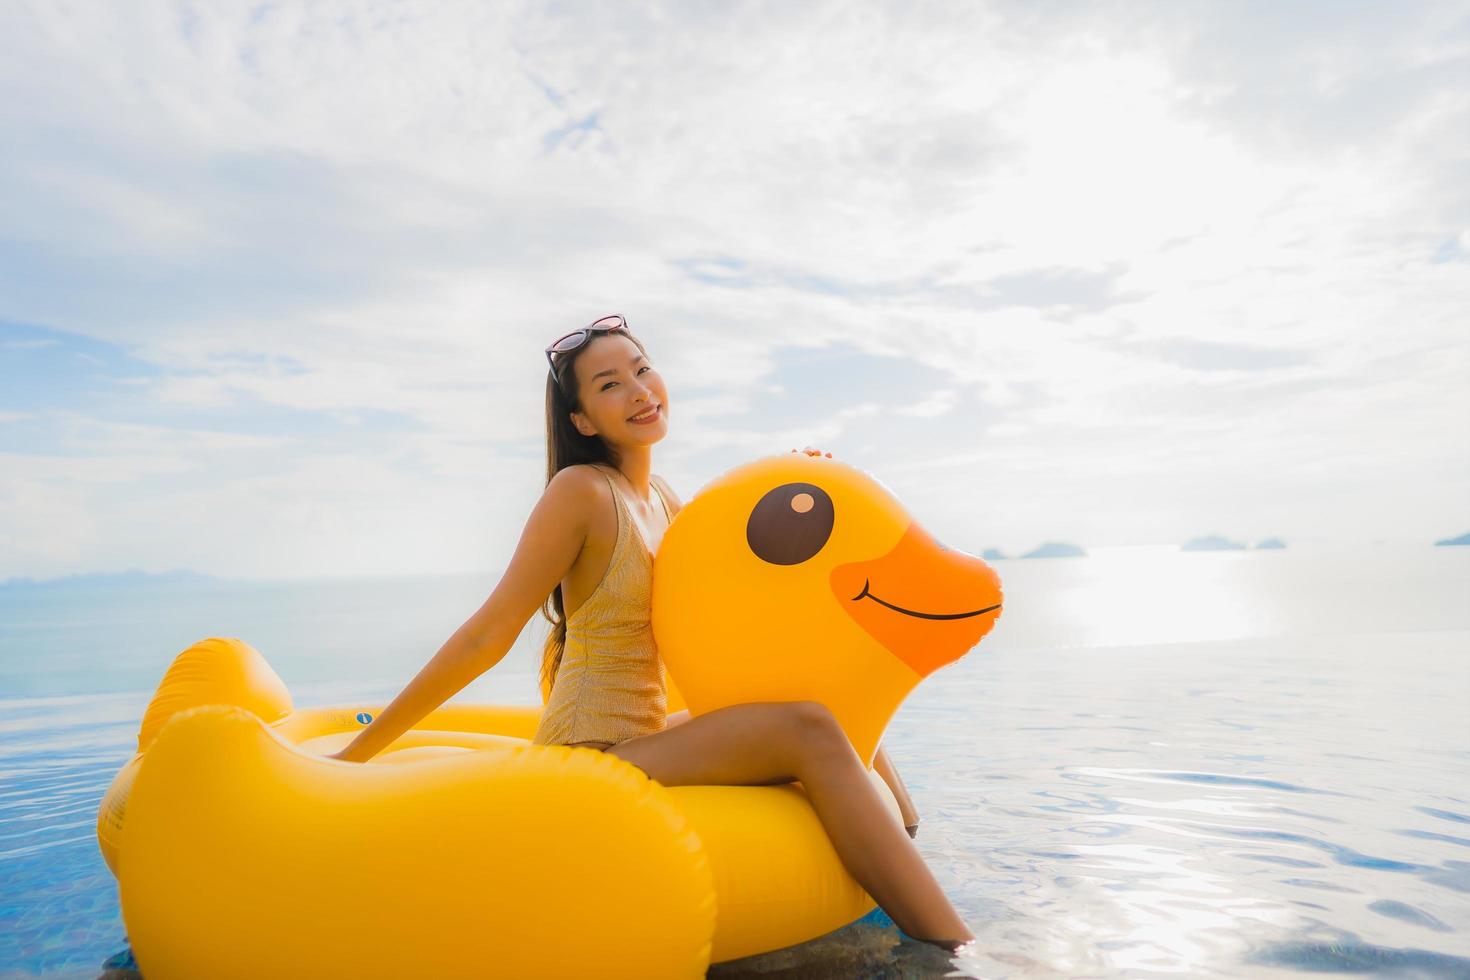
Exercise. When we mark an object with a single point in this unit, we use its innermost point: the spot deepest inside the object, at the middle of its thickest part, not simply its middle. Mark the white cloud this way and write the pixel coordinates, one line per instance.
(939, 403)
(1183, 254)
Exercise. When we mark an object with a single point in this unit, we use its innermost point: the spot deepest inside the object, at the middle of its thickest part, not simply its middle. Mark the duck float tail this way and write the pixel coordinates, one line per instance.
(463, 852)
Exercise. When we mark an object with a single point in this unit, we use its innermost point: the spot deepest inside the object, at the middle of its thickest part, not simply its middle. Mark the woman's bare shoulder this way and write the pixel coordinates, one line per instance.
(585, 481)
(589, 473)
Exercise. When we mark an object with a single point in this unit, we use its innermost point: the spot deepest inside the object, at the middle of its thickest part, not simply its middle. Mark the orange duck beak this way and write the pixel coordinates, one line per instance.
(926, 604)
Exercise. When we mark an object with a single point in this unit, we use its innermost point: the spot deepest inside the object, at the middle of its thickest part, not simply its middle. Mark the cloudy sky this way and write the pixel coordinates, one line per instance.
(275, 279)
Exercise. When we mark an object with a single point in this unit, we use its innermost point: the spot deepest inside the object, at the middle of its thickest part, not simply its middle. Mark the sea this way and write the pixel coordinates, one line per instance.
(1160, 763)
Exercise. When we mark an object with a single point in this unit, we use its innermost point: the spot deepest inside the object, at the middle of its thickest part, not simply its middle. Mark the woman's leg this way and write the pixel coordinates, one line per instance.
(777, 742)
(883, 766)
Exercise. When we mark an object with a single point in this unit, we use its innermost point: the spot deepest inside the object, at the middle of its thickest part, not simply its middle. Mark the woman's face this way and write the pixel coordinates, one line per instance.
(616, 383)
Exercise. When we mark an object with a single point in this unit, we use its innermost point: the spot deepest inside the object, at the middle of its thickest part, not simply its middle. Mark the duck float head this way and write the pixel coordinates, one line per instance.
(795, 578)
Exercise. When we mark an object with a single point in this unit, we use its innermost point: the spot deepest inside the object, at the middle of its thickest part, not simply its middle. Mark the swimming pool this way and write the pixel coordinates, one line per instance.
(1270, 776)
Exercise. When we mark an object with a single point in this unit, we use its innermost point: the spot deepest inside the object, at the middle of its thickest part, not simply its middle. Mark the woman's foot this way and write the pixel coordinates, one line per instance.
(912, 828)
(949, 945)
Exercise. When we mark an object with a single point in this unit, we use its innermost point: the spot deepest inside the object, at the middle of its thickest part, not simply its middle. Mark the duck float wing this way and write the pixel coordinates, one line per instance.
(517, 861)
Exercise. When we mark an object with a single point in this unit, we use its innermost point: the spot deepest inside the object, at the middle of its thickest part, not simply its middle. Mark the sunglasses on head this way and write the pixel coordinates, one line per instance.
(578, 338)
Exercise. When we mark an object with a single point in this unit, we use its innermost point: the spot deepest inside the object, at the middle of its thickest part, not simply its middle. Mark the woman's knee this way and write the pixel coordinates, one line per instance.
(815, 725)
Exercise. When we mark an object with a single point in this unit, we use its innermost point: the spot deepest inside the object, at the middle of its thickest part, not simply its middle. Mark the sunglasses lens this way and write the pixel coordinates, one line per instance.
(577, 338)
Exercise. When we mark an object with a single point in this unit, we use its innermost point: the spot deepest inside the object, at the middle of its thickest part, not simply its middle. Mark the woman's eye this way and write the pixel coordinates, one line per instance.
(646, 367)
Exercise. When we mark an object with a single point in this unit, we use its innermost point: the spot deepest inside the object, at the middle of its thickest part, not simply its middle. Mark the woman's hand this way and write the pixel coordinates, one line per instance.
(814, 452)
(339, 755)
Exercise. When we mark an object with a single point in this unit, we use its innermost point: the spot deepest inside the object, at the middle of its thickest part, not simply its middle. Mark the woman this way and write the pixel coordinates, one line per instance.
(589, 539)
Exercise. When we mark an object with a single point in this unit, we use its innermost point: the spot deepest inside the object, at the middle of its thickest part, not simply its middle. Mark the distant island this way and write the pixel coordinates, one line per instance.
(991, 554)
(1056, 549)
(1462, 539)
(1211, 542)
(131, 577)
(1270, 543)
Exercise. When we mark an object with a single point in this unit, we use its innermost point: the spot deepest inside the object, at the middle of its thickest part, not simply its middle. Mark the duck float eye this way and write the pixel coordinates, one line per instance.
(790, 524)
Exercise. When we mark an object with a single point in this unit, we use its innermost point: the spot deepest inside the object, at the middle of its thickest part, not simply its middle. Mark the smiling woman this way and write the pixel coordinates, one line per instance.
(587, 553)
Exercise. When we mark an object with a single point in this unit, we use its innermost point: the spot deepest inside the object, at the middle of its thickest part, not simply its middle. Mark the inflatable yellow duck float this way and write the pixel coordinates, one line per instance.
(463, 850)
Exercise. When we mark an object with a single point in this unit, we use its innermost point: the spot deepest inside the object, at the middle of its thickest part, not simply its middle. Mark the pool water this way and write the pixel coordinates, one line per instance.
(1158, 764)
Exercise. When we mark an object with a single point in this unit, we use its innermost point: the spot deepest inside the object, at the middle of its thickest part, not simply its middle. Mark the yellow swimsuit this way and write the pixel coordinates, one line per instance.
(609, 686)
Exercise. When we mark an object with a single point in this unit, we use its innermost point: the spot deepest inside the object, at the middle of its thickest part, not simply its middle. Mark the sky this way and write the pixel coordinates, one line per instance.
(275, 279)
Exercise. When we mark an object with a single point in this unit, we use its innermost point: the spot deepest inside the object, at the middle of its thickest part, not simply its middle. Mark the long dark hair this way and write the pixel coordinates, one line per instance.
(565, 446)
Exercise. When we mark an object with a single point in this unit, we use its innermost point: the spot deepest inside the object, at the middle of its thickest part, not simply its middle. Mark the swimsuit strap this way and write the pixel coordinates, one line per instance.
(623, 509)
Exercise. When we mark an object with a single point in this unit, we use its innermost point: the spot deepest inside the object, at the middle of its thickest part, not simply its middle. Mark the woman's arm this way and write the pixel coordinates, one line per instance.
(553, 537)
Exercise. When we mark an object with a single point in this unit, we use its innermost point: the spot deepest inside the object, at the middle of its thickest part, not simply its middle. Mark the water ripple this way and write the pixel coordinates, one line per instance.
(1407, 913)
(1352, 956)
